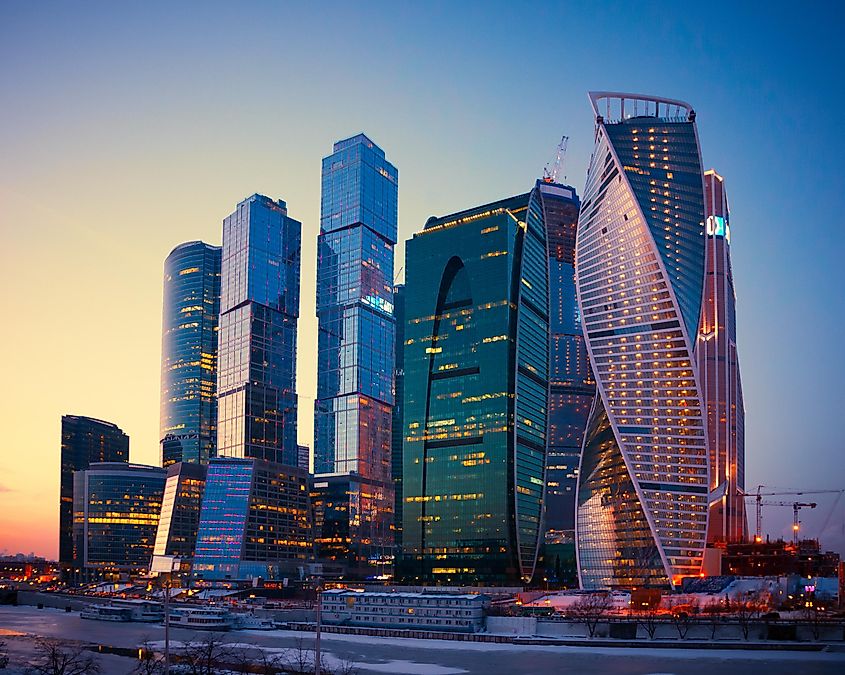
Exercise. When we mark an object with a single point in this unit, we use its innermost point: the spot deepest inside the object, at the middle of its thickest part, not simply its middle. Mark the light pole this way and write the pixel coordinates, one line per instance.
(164, 565)
(319, 590)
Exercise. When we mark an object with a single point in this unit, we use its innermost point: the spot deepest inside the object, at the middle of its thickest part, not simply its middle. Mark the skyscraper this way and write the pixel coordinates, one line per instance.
(398, 423)
(180, 512)
(571, 384)
(259, 308)
(476, 394)
(718, 369)
(643, 482)
(85, 440)
(255, 521)
(358, 219)
(188, 430)
(116, 507)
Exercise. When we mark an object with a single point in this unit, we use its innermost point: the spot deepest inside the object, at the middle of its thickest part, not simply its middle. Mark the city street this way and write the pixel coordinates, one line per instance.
(435, 657)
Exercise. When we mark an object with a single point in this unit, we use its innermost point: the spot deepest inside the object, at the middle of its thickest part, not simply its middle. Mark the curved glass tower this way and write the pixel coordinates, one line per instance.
(476, 383)
(643, 483)
(718, 368)
(188, 429)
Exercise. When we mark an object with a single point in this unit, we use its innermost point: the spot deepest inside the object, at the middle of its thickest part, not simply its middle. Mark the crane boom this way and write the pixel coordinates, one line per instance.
(758, 496)
(550, 175)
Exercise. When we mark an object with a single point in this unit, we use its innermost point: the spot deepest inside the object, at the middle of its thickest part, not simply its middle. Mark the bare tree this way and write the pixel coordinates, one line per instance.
(684, 617)
(53, 659)
(4, 654)
(747, 608)
(590, 609)
(345, 667)
(149, 663)
(714, 612)
(648, 618)
(203, 657)
(299, 658)
(812, 618)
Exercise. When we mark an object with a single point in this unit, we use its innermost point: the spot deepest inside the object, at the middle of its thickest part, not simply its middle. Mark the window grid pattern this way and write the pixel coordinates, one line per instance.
(356, 326)
(188, 429)
(257, 402)
(571, 384)
(635, 315)
(469, 451)
(718, 367)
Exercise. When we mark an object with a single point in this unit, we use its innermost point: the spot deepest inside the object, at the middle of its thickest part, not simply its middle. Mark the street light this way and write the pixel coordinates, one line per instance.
(164, 566)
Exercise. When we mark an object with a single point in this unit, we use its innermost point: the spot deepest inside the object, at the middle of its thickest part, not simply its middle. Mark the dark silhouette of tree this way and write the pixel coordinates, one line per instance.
(684, 617)
(205, 656)
(4, 655)
(747, 608)
(53, 659)
(590, 609)
(149, 663)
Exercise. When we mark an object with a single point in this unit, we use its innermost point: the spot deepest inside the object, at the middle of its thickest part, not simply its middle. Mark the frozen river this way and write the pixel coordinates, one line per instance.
(401, 656)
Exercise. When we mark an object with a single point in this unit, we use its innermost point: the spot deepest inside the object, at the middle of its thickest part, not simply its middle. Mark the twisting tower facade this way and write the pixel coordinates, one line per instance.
(641, 513)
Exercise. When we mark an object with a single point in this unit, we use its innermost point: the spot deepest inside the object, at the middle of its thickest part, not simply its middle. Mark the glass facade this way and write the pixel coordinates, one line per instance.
(571, 384)
(85, 440)
(358, 220)
(255, 521)
(188, 429)
(116, 509)
(398, 419)
(353, 519)
(718, 368)
(180, 512)
(643, 482)
(476, 362)
(259, 309)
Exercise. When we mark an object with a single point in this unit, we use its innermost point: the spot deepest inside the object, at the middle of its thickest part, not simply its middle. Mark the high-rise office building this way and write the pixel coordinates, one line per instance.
(353, 521)
(85, 440)
(259, 308)
(188, 429)
(643, 481)
(116, 507)
(255, 521)
(476, 394)
(358, 220)
(571, 384)
(398, 424)
(180, 512)
(718, 370)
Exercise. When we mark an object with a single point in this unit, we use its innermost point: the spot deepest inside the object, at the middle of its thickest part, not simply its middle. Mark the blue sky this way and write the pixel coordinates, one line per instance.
(129, 128)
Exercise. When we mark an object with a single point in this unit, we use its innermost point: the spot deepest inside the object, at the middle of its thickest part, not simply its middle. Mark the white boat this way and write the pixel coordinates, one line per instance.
(106, 613)
(201, 618)
(252, 622)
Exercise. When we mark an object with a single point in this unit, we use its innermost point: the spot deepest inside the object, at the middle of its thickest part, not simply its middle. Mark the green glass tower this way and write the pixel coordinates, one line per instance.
(476, 394)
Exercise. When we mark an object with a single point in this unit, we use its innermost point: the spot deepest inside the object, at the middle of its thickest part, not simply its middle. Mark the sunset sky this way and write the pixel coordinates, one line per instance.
(128, 128)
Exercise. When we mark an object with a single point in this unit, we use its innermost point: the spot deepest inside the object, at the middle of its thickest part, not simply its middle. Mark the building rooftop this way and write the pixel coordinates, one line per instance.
(616, 106)
(361, 139)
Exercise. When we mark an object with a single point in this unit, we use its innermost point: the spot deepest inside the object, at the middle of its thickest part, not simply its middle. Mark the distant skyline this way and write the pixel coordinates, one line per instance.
(129, 129)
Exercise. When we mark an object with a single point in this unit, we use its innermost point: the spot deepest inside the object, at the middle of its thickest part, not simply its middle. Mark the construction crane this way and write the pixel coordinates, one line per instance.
(796, 506)
(758, 496)
(550, 175)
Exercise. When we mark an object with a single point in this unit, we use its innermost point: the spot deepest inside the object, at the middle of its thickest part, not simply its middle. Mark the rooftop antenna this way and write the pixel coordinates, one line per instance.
(550, 175)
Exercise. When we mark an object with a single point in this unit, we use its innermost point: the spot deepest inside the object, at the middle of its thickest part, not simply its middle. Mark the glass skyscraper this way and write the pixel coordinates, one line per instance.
(476, 368)
(643, 482)
(85, 440)
(180, 512)
(358, 220)
(255, 521)
(571, 384)
(116, 509)
(398, 423)
(718, 368)
(188, 429)
(259, 308)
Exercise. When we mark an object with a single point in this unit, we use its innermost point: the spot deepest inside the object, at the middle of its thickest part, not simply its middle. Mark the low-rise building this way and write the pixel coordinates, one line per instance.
(413, 611)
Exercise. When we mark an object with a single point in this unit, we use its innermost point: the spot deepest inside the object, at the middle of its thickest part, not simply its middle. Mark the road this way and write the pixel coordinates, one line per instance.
(400, 656)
